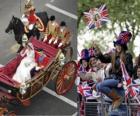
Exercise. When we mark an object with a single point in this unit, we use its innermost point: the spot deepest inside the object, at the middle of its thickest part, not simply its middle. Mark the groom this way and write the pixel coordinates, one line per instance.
(41, 59)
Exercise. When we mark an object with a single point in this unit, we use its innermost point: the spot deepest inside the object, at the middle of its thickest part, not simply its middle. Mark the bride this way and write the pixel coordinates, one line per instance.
(22, 73)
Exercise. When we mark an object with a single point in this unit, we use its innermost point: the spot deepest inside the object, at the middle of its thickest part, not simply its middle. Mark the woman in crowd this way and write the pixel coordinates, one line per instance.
(82, 66)
(84, 61)
(112, 87)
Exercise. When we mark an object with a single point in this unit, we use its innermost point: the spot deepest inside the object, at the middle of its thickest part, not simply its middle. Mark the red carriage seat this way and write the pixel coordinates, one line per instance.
(49, 50)
(10, 68)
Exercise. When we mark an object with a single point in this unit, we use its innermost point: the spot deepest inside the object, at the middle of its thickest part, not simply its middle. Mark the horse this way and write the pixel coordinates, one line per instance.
(18, 27)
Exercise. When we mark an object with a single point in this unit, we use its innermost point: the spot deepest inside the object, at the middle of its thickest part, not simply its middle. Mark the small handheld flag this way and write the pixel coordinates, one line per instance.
(96, 17)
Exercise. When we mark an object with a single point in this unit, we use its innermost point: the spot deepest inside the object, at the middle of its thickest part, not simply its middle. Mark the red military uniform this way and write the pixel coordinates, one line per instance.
(33, 18)
(41, 59)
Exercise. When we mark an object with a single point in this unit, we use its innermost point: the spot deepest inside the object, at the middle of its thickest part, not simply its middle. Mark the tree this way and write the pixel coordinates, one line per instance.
(123, 13)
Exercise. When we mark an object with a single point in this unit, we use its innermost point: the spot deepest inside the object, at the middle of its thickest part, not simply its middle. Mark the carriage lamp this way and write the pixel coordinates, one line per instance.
(31, 26)
(62, 59)
(23, 88)
(24, 40)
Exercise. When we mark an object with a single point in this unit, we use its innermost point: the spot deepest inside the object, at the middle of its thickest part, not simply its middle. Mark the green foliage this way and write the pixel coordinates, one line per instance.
(119, 10)
(124, 13)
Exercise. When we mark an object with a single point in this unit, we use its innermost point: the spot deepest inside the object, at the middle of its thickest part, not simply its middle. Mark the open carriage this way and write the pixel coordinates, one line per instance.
(65, 75)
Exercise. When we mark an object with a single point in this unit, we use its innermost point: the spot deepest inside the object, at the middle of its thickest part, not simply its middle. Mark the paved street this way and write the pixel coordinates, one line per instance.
(46, 102)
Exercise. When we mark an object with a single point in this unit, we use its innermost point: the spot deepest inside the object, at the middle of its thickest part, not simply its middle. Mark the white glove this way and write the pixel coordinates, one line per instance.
(31, 26)
(37, 68)
(50, 41)
(55, 41)
(60, 45)
(45, 39)
(25, 21)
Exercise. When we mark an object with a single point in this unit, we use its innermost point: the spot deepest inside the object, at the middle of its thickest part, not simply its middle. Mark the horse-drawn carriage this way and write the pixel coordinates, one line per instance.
(65, 75)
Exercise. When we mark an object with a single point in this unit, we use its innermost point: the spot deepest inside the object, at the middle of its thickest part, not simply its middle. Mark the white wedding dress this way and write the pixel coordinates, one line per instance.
(22, 73)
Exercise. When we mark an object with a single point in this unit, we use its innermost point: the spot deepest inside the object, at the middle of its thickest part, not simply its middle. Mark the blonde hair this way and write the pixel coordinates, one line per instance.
(89, 63)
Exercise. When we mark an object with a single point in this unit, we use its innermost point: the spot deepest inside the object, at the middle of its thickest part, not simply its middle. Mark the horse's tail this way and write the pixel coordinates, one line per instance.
(44, 17)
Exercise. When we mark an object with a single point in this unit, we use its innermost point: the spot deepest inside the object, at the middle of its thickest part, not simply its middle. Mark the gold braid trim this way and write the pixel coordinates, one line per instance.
(41, 24)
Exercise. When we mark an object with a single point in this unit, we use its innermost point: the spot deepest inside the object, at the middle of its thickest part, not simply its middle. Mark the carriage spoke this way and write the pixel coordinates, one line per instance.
(59, 85)
(59, 81)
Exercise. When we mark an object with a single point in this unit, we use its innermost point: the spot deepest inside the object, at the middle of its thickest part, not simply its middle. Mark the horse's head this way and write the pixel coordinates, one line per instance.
(11, 25)
(14, 24)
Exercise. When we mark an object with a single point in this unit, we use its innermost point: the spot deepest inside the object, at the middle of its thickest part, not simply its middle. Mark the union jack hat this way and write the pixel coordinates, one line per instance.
(91, 52)
(84, 55)
(123, 38)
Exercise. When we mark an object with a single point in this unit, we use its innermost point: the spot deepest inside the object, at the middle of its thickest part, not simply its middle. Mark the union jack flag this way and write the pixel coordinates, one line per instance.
(84, 90)
(125, 37)
(130, 90)
(82, 69)
(96, 17)
(125, 74)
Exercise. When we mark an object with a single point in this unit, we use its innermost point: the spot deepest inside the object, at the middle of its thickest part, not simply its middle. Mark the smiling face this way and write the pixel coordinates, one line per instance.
(118, 48)
(92, 61)
(84, 63)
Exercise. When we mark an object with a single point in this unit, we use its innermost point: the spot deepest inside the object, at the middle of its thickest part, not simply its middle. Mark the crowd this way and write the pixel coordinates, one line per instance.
(107, 73)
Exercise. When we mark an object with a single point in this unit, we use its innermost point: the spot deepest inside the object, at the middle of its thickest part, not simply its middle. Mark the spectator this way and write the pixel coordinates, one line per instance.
(113, 87)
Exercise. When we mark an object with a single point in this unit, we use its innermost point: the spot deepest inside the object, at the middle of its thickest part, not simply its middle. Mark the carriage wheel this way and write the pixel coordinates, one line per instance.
(66, 78)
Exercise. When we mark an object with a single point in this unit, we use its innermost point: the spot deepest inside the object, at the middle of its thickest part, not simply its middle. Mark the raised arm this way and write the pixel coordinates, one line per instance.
(103, 58)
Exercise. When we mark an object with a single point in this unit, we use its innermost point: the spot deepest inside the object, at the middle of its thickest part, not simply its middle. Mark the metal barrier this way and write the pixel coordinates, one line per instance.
(102, 108)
